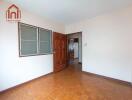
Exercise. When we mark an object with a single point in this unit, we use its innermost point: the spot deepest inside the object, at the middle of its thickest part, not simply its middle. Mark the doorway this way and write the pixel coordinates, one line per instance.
(67, 50)
(74, 48)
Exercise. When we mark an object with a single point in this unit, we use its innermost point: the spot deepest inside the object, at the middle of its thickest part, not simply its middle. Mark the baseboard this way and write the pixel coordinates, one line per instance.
(26, 82)
(110, 79)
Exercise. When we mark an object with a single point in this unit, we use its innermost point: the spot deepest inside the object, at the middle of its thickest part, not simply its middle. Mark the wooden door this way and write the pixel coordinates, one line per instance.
(60, 51)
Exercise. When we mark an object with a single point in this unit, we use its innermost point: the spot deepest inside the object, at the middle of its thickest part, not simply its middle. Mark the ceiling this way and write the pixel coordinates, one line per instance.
(70, 11)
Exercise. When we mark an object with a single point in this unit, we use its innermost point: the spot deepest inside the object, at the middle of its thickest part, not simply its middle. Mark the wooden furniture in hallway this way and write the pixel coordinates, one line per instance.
(59, 49)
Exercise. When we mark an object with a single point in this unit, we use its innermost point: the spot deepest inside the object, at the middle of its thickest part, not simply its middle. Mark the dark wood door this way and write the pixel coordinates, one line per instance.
(60, 51)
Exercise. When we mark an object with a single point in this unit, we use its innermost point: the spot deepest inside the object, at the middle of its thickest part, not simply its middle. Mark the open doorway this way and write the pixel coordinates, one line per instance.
(74, 48)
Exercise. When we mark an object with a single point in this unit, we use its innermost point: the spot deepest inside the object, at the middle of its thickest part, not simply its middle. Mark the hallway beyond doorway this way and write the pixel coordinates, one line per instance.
(74, 47)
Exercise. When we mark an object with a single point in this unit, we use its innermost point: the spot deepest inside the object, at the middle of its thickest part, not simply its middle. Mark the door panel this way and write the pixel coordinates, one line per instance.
(59, 47)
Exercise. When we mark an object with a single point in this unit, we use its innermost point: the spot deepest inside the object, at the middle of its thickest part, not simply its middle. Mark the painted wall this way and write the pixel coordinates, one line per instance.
(13, 69)
(107, 48)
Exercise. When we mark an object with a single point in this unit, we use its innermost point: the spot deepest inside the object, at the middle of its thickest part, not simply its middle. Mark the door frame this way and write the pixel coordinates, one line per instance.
(78, 46)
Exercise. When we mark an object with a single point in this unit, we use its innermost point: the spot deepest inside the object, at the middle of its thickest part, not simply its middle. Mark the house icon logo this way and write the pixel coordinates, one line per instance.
(13, 13)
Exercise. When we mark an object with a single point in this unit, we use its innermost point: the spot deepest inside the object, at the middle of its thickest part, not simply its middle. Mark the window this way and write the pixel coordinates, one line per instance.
(34, 40)
(44, 41)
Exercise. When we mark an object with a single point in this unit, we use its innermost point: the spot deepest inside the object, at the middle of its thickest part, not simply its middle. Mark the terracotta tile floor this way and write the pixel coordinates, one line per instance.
(69, 84)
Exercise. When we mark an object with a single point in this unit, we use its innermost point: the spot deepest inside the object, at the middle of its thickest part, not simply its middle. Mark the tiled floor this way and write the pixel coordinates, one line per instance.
(69, 84)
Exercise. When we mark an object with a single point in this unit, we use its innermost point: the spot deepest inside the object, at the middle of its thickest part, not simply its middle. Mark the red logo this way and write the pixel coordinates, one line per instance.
(13, 13)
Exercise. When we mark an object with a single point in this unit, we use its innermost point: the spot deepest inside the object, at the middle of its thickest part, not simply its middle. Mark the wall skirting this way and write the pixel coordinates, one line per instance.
(109, 78)
(26, 82)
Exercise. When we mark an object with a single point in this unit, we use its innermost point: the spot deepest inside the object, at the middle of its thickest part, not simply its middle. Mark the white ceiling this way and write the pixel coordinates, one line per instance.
(69, 11)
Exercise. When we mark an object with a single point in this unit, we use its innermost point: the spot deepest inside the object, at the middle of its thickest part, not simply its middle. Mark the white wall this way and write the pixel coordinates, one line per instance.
(13, 69)
(107, 44)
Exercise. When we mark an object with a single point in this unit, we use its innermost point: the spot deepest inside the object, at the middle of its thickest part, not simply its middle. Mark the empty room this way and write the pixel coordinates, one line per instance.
(65, 49)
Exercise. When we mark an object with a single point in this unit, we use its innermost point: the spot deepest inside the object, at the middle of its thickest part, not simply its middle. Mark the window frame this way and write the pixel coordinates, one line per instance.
(38, 47)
